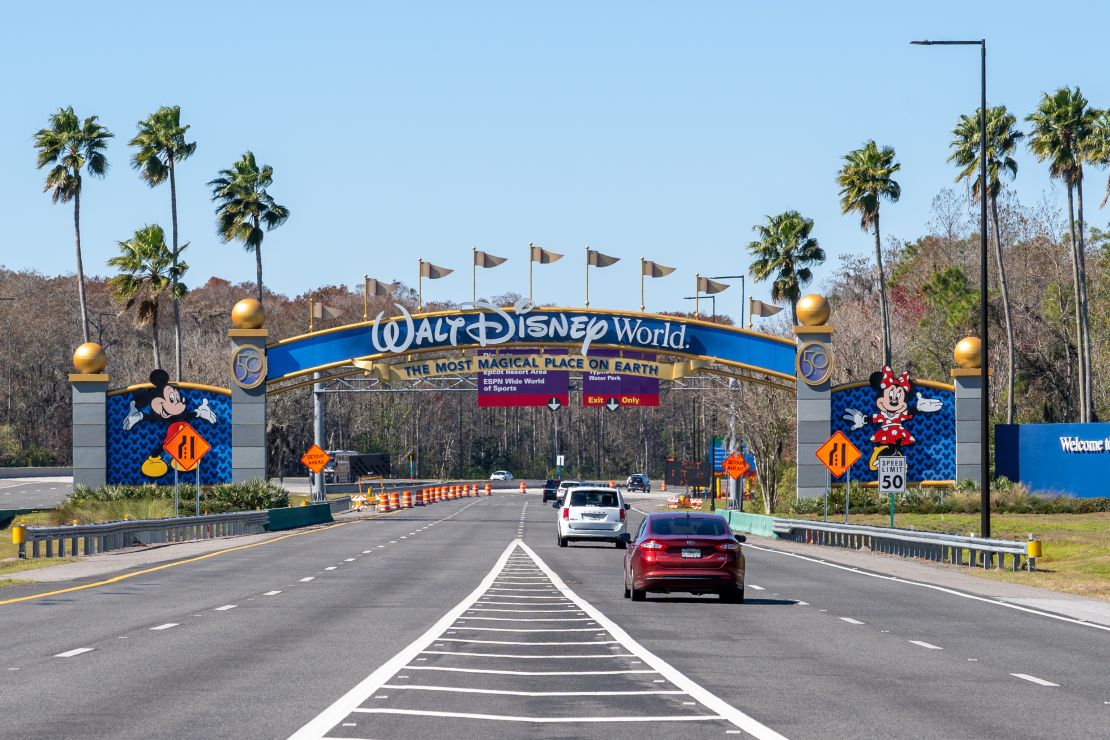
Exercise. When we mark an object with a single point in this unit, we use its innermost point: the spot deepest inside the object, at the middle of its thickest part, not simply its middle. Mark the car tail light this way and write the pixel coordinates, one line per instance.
(622, 515)
(728, 547)
(566, 512)
(651, 545)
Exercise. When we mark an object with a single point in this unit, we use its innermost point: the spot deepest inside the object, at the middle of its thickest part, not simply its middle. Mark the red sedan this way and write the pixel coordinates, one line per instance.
(689, 552)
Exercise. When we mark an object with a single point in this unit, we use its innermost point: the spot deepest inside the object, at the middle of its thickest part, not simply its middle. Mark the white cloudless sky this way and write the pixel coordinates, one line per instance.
(407, 130)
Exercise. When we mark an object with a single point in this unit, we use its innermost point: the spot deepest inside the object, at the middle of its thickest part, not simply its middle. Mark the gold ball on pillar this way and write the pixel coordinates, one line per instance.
(969, 353)
(248, 314)
(813, 310)
(90, 359)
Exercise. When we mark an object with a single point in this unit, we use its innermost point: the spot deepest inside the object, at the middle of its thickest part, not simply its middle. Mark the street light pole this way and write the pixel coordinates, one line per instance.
(984, 369)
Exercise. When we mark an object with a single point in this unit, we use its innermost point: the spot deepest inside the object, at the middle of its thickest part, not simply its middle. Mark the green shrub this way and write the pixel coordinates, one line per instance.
(1006, 498)
(218, 499)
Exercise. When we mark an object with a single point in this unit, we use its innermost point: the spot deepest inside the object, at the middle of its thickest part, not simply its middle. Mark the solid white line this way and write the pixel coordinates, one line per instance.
(224, 608)
(536, 590)
(307, 579)
(849, 620)
(518, 619)
(926, 645)
(498, 642)
(522, 657)
(75, 651)
(1034, 679)
(509, 629)
(271, 593)
(942, 589)
(541, 720)
(526, 673)
(569, 610)
(454, 689)
(330, 717)
(165, 626)
(707, 699)
(498, 596)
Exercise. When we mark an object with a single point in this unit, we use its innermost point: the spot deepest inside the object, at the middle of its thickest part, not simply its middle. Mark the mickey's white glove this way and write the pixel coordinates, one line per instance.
(206, 413)
(854, 416)
(134, 416)
(928, 405)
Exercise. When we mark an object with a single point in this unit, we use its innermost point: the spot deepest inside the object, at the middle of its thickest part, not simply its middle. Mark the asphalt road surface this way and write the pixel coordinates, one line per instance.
(465, 619)
(34, 493)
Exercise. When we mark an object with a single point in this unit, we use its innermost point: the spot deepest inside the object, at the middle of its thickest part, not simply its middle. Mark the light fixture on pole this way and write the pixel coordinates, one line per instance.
(984, 378)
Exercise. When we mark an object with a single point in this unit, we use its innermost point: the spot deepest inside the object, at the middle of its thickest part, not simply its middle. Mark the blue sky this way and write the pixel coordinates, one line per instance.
(408, 130)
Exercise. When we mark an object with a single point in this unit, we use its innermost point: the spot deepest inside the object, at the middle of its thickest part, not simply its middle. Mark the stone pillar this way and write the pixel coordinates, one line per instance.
(90, 408)
(968, 381)
(248, 391)
(814, 398)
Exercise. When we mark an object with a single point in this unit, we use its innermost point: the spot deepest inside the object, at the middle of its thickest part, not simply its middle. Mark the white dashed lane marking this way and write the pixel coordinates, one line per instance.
(165, 626)
(225, 607)
(1033, 679)
(926, 645)
(75, 651)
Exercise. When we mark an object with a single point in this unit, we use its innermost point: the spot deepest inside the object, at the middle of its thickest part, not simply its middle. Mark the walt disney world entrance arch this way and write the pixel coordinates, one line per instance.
(933, 424)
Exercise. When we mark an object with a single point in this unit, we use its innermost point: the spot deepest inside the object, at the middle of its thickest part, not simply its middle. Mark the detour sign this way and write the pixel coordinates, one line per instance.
(735, 465)
(315, 459)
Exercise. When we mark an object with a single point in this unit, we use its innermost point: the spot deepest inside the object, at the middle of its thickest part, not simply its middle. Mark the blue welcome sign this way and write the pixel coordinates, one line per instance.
(1071, 459)
(524, 325)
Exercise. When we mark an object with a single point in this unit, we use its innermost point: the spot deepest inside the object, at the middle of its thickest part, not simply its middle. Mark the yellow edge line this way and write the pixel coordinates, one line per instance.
(156, 568)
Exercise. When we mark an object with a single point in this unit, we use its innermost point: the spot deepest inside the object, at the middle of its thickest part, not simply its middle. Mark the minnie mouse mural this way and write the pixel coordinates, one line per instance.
(892, 401)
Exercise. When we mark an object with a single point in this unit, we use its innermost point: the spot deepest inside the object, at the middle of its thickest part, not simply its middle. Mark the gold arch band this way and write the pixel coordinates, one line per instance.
(174, 383)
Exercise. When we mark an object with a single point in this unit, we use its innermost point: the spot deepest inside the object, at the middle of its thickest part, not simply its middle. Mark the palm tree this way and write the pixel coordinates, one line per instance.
(148, 270)
(72, 145)
(245, 207)
(1062, 129)
(161, 145)
(866, 178)
(785, 251)
(1002, 141)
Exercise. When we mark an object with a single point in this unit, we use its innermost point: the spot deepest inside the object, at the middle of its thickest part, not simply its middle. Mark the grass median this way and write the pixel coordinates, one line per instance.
(9, 551)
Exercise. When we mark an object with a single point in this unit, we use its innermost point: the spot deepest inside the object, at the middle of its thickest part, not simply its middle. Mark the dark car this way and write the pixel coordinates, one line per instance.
(550, 489)
(638, 482)
(687, 552)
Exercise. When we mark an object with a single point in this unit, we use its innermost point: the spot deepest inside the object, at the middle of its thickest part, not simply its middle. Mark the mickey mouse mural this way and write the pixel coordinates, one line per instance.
(908, 423)
(143, 418)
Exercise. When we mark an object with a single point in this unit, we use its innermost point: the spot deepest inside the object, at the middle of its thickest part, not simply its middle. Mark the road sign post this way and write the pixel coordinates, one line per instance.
(187, 448)
(838, 455)
(892, 478)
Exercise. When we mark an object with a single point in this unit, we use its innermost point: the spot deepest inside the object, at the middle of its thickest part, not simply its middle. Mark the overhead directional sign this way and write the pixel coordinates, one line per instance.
(838, 454)
(735, 465)
(892, 474)
(612, 404)
(186, 447)
(554, 403)
(315, 459)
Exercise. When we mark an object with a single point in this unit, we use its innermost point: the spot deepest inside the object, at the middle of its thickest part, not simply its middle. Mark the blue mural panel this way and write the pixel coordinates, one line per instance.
(1072, 459)
(932, 456)
(525, 326)
(136, 431)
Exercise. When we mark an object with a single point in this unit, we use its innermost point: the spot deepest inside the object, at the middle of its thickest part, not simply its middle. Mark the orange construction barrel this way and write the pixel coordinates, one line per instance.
(489, 489)
(523, 487)
(394, 501)
(383, 502)
(406, 500)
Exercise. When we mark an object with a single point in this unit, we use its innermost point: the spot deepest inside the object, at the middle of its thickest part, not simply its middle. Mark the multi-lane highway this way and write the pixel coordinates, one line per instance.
(465, 619)
(34, 493)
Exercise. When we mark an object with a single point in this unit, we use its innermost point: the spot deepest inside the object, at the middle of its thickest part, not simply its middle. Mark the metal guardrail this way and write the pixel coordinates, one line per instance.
(944, 548)
(90, 539)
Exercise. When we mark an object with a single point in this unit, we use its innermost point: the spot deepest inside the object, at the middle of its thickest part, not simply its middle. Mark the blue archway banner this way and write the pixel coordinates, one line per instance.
(525, 326)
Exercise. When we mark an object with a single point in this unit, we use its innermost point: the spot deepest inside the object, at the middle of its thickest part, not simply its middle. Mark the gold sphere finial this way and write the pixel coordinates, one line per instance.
(969, 353)
(90, 359)
(813, 310)
(248, 314)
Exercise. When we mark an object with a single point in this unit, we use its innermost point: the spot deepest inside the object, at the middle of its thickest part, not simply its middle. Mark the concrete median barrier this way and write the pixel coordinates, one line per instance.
(299, 516)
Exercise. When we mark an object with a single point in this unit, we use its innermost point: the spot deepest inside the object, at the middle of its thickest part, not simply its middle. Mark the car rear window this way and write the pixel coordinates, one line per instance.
(552, 483)
(594, 498)
(689, 526)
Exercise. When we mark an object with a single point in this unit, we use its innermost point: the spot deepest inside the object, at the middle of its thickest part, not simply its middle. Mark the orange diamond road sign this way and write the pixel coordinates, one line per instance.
(186, 447)
(315, 459)
(735, 465)
(838, 454)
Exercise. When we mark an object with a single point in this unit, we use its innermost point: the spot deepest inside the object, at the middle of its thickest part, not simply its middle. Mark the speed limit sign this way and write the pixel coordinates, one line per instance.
(892, 474)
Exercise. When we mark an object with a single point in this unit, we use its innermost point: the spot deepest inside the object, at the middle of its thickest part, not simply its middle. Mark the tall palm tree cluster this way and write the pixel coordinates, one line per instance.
(149, 270)
(1065, 132)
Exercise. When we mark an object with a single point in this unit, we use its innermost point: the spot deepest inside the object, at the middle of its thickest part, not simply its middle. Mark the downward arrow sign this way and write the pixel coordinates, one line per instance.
(612, 404)
(554, 404)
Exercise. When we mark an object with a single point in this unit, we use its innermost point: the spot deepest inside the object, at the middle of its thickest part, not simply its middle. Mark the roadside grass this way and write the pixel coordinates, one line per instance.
(1076, 547)
(9, 552)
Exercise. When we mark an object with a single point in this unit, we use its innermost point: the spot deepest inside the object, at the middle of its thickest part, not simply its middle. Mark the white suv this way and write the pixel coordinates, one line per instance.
(592, 513)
